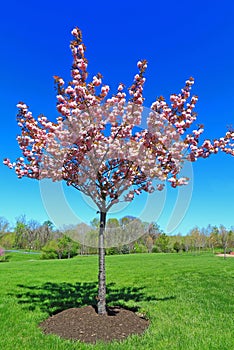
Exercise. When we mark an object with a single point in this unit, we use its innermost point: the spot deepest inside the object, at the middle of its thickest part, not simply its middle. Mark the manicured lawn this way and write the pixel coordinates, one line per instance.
(189, 299)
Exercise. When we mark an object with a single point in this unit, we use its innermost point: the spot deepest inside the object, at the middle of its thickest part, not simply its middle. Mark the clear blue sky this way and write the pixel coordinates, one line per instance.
(179, 40)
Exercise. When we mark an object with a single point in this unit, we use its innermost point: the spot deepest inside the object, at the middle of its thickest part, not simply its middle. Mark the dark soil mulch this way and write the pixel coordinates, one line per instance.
(86, 325)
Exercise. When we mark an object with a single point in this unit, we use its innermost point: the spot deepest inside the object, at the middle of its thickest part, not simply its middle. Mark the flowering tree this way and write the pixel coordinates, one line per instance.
(97, 146)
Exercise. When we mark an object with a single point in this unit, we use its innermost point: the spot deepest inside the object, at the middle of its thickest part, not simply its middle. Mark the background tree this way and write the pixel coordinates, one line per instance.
(162, 243)
(149, 242)
(112, 232)
(94, 145)
(78, 233)
(213, 240)
(195, 239)
(46, 232)
(231, 239)
(177, 246)
(95, 223)
(224, 238)
(131, 231)
(33, 232)
(21, 233)
(6, 239)
(4, 226)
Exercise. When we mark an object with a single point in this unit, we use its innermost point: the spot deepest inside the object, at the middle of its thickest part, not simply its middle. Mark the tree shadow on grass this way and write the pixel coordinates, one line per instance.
(56, 297)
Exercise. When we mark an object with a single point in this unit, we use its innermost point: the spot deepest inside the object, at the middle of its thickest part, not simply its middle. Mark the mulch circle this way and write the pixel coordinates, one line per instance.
(86, 325)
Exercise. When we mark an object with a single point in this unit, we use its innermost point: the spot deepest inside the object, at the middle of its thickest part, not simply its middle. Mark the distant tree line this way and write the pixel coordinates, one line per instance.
(64, 243)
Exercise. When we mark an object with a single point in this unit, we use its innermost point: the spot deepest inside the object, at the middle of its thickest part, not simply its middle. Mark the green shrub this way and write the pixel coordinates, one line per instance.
(125, 249)
(49, 255)
(112, 251)
(49, 251)
(156, 249)
(140, 248)
(61, 248)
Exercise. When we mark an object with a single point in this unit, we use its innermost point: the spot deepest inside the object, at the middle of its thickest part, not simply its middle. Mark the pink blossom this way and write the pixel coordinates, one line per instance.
(160, 187)
(74, 32)
(61, 81)
(21, 105)
(93, 146)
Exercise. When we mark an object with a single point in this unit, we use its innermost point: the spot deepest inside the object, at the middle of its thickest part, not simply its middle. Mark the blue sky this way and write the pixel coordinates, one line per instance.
(179, 40)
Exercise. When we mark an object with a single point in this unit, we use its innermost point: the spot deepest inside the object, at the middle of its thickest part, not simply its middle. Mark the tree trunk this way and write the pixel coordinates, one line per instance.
(102, 270)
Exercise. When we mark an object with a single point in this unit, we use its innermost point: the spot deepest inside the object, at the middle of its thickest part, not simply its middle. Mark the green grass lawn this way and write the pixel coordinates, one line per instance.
(189, 299)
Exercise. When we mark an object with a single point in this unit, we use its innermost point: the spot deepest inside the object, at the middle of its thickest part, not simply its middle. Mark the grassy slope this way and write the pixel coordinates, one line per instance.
(188, 298)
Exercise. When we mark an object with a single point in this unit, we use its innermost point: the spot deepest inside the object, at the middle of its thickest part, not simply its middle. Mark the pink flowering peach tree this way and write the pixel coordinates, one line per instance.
(97, 146)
